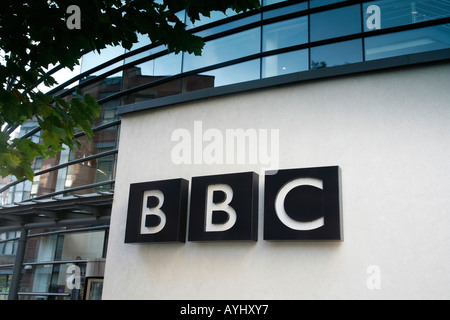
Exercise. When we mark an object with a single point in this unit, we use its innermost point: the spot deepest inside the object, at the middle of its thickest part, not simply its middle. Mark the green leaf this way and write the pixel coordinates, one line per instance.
(4, 137)
(50, 138)
(10, 160)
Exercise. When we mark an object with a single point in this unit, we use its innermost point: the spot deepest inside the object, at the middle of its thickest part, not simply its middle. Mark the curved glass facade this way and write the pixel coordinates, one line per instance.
(283, 37)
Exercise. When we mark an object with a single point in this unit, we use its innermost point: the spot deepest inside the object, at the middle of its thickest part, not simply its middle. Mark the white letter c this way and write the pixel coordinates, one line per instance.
(281, 212)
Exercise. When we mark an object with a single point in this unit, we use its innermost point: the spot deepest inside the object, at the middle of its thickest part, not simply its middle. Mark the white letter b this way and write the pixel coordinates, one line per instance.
(223, 206)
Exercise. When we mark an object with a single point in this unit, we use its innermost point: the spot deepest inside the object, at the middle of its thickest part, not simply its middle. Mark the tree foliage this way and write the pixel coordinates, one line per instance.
(34, 36)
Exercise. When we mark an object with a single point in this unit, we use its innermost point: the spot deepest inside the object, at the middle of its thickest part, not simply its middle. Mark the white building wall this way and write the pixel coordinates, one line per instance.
(390, 134)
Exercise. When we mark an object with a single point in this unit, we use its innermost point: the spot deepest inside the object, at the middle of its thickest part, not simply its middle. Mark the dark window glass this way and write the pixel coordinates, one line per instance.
(319, 3)
(285, 34)
(269, 2)
(335, 23)
(285, 63)
(225, 49)
(336, 54)
(158, 90)
(408, 42)
(392, 13)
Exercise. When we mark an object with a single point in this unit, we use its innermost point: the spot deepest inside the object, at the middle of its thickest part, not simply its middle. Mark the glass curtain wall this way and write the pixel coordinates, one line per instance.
(55, 263)
(288, 37)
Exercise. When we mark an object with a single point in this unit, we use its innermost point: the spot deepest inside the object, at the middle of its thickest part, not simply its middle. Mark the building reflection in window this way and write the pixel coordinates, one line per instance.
(408, 42)
(336, 54)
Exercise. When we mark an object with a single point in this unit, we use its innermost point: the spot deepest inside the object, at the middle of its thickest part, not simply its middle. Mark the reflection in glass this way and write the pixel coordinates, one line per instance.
(49, 278)
(152, 71)
(157, 91)
(80, 245)
(408, 42)
(77, 175)
(104, 87)
(285, 34)
(336, 54)
(225, 49)
(89, 172)
(285, 63)
(41, 249)
(160, 67)
(335, 23)
(400, 12)
(237, 73)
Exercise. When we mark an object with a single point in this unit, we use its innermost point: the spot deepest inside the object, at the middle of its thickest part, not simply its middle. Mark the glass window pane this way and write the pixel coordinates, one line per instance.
(285, 34)
(285, 10)
(157, 91)
(49, 279)
(320, 3)
(41, 249)
(77, 175)
(151, 71)
(336, 54)
(285, 63)
(335, 23)
(83, 245)
(164, 66)
(241, 72)
(408, 42)
(224, 49)
(392, 13)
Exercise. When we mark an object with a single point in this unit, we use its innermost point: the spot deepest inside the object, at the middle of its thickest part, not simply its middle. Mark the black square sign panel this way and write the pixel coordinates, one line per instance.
(303, 204)
(224, 207)
(157, 212)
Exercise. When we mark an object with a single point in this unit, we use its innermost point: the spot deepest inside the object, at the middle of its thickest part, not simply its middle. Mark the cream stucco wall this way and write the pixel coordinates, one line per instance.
(390, 134)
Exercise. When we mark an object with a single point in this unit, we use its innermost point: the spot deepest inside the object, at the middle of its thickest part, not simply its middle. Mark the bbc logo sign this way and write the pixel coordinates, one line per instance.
(299, 205)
